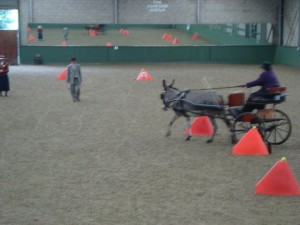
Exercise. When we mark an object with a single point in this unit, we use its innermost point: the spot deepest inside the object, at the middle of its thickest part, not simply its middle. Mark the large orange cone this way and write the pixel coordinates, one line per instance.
(280, 180)
(108, 44)
(92, 33)
(251, 144)
(169, 38)
(201, 126)
(125, 32)
(31, 38)
(144, 75)
(195, 36)
(64, 43)
(62, 75)
(175, 41)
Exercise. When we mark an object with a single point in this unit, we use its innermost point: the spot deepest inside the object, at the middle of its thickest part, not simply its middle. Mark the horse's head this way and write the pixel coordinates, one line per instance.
(169, 94)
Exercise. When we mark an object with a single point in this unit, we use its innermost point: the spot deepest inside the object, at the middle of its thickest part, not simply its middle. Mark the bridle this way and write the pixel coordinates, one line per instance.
(167, 100)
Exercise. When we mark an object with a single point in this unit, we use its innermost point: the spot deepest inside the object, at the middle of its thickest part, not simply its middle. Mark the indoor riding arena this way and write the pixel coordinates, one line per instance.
(106, 159)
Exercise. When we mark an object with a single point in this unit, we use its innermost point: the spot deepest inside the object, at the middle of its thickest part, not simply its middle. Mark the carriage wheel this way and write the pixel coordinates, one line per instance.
(246, 121)
(279, 129)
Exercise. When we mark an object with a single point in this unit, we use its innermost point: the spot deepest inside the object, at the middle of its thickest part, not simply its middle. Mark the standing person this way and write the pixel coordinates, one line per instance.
(4, 80)
(65, 33)
(74, 79)
(40, 32)
(266, 79)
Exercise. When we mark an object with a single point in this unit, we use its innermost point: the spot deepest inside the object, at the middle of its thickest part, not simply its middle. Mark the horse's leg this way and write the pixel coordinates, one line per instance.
(188, 126)
(175, 117)
(214, 123)
(229, 126)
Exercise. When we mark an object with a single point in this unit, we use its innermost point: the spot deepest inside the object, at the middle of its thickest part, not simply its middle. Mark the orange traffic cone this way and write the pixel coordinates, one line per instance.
(175, 41)
(125, 32)
(108, 44)
(64, 43)
(169, 38)
(251, 144)
(164, 36)
(144, 75)
(201, 126)
(195, 36)
(62, 75)
(92, 33)
(280, 180)
(31, 38)
(121, 31)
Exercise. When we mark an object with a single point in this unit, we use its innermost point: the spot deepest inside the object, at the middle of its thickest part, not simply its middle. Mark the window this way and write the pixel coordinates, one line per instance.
(9, 19)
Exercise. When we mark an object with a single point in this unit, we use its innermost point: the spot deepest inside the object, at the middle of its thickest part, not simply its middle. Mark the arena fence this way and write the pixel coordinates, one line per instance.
(227, 48)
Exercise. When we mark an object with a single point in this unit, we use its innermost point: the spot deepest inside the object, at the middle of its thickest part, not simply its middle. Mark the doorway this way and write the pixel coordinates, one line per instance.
(9, 30)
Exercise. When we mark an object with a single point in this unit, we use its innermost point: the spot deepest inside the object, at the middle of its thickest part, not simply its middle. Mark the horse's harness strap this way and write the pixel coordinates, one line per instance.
(178, 100)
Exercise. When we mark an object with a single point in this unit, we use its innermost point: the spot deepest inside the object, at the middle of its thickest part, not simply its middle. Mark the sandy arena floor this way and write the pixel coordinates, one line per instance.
(106, 161)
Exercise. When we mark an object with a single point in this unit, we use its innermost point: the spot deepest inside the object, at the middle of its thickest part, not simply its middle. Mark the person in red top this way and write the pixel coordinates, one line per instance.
(4, 80)
(266, 79)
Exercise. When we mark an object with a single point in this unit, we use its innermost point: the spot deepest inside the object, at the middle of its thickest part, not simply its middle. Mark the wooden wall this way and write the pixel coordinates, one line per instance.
(9, 45)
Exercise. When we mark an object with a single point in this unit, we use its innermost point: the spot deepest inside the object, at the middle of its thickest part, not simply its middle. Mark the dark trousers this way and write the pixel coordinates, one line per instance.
(251, 104)
(75, 89)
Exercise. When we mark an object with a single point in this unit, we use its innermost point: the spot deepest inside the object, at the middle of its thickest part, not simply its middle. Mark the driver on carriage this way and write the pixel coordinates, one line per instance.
(266, 79)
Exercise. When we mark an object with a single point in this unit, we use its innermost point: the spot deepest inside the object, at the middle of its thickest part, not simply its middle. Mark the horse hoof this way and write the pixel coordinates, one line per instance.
(234, 140)
(168, 134)
(209, 141)
(188, 138)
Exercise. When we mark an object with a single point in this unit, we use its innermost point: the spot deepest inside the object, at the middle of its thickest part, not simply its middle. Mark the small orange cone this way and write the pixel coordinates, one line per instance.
(125, 32)
(201, 126)
(92, 33)
(64, 43)
(175, 41)
(108, 44)
(144, 75)
(195, 36)
(31, 38)
(62, 75)
(164, 36)
(280, 180)
(121, 31)
(251, 144)
(169, 38)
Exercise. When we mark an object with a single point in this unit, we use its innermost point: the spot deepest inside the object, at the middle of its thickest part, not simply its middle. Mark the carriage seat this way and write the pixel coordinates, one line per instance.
(275, 95)
(235, 111)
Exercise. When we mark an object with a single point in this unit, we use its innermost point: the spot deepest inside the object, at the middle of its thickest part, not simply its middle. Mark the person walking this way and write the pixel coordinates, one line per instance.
(4, 79)
(74, 79)
(65, 33)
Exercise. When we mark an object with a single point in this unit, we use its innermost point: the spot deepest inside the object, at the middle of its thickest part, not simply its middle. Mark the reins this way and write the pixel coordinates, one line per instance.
(180, 96)
(207, 89)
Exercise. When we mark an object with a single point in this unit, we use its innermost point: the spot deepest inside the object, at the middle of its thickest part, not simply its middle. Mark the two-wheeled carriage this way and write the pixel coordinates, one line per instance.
(273, 124)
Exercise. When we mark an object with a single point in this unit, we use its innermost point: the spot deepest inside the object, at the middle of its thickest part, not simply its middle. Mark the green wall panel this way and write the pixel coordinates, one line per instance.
(58, 54)
(242, 54)
(139, 54)
(287, 56)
